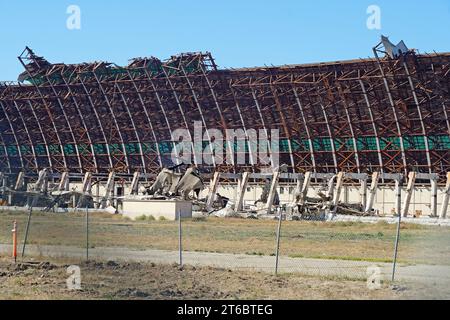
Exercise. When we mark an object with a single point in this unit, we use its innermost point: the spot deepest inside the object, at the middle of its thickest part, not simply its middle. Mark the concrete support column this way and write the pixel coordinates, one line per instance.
(20, 181)
(363, 192)
(305, 187)
(331, 186)
(297, 190)
(64, 182)
(97, 195)
(214, 185)
(86, 189)
(434, 191)
(339, 183)
(42, 182)
(242, 186)
(398, 197)
(372, 191)
(135, 183)
(273, 191)
(409, 192)
(3, 184)
(109, 191)
(444, 208)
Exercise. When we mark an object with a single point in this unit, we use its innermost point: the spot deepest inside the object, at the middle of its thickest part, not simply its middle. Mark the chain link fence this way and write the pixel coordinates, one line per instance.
(329, 250)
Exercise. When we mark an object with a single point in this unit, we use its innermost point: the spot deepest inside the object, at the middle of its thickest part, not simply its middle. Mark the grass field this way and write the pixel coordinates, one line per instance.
(46, 279)
(346, 241)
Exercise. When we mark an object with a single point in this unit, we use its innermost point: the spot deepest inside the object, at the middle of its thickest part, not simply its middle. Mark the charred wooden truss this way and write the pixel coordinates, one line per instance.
(381, 114)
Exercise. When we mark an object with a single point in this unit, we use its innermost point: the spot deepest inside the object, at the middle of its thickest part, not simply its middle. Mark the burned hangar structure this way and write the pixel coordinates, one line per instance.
(385, 114)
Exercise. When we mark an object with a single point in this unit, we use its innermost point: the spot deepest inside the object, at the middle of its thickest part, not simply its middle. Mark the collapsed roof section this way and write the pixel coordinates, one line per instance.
(39, 71)
(392, 51)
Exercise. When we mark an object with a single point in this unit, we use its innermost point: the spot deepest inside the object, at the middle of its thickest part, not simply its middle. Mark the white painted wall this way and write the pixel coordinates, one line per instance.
(157, 208)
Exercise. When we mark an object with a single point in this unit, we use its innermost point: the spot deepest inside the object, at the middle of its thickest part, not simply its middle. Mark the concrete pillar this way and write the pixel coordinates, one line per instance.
(64, 182)
(363, 192)
(135, 184)
(330, 191)
(434, 191)
(409, 192)
(339, 183)
(305, 188)
(42, 182)
(444, 208)
(3, 186)
(109, 191)
(372, 191)
(297, 190)
(273, 191)
(242, 186)
(213, 186)
(398, 196)
(85, 189)
(20, 182)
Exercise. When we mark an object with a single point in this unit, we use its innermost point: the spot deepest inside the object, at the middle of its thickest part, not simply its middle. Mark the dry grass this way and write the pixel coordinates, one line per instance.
(342, 240)
(112, 280)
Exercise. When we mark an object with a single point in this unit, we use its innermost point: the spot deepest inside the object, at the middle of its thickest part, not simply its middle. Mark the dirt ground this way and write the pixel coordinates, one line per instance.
(320, 240)
(44, 280)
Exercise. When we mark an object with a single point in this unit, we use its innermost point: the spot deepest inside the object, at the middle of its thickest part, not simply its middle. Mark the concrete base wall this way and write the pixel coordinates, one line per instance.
(157, 208)
(384, 200)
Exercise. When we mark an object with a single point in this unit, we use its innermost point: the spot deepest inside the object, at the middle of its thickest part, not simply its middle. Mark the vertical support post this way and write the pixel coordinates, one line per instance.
(372, 191)
(4, 187)
(363, 192)
(87, 232)
(434, 191)
(97, 195)
(398, 196)
(305, 188)
(135, 183)
(242, 186)
(445, 201)
(64, 182)
(14, 234)
(214, 185)
(180, 240)
(339, 183)
(397, 239)
(409, 192)
(33, 202)
(86, 188)
(298, 190)
(42, 182)
(277, 254)
(331, 186)
(272, 192)
(20, 181)
(109, 190)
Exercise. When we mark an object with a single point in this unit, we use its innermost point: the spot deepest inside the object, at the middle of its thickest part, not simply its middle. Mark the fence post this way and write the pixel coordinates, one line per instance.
(14, 232)
(180, 244)
(397, 237)
(87, 233)
(33, 202)
(278, 241)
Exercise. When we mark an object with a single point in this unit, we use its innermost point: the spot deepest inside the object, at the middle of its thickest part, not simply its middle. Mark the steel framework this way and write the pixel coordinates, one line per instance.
(382, 114)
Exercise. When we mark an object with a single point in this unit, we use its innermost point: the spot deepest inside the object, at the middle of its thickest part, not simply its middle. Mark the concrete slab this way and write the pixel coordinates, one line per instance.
(168, 209)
